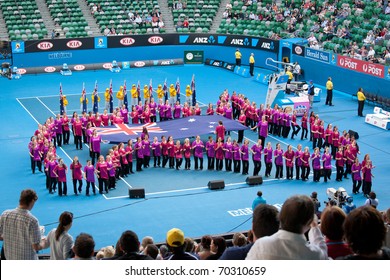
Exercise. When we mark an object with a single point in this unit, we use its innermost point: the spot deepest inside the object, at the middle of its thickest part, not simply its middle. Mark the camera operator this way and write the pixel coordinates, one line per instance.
(317, 204)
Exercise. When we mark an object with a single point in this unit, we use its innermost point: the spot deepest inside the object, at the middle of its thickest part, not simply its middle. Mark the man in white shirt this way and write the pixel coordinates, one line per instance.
(296, 217)
(371, 53)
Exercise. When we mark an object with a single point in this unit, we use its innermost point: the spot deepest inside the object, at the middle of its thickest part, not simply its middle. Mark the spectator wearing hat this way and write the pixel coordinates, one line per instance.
(175, 242)
(372, 200)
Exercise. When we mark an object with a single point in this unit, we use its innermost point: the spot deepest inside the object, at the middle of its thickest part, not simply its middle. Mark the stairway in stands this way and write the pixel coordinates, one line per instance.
(167, 16)
(218, 17)
(3, 30)
(94, 28)
(47, 19)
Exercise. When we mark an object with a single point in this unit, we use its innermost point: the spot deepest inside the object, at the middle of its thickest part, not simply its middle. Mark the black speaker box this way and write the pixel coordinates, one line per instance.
(216, 184)
(137, 193)
(354, 134)
(254, 180)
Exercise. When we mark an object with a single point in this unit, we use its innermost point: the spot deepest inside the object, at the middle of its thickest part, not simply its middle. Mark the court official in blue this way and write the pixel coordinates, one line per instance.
(258, 200)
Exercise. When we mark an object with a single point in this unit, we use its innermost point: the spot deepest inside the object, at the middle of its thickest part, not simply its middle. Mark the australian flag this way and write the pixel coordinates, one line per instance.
(177, 87)
(111, 99)
(62, 109)
(178, 128)
(139, 91)
(84, 99)
(193, 90)
(165, 89)
(125, 94)
(95, 99)
(150, 90)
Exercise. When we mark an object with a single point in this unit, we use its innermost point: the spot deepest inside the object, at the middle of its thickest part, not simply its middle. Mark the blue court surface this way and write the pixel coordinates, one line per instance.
(174, 198)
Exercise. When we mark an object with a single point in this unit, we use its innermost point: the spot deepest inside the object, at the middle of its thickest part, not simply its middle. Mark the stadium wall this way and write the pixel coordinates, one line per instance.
(348, 74)
(140, 47)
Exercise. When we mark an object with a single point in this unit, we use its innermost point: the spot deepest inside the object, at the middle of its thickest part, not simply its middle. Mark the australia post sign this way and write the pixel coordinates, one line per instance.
(361, 66)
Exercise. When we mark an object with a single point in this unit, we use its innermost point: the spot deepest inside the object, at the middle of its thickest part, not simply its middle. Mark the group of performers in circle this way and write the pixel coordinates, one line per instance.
(221, 151)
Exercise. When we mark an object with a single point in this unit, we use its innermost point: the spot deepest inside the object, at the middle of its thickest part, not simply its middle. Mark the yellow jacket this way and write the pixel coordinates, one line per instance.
(329, 85)
(86, 100)
(146, 92)
(93, 98)
(290, 75)
(361, 96)
(134, 92)
(172, 91)
(107, 94)
(188, 91)
(120, 95)
(160, 92)
(65, 101)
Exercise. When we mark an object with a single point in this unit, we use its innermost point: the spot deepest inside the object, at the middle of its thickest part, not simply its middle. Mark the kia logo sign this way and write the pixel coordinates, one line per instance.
(155, 40)
(50, 69)
(127, 41)
(139, 64)
(107, 65)
(45, 46)
(22, 71)
(79, 67)
(74, 44)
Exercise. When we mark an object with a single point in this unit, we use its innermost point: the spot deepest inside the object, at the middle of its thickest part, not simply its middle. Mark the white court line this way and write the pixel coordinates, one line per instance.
(17, 99)
(44, 96)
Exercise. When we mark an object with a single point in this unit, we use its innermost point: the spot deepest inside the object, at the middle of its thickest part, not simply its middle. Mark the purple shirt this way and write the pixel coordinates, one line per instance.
(152, 107)
(288, 119)
(327, 158)
(306, 158)
(210, 149)
(244, 152)
(356, 175)
(236, 152)
(51, 165)
(102, 168)
(229, 113)
(289, 156)
(177, 111)
(298, 158)
(61, 172)
(146, 148)
(90, 173)
(125, 115)
(35, 153)
(316, 161)
(160, 108)
(111, 169)
(156, 149)
(138, 148)
(263, 129)
(58, 126)
(198, 148)
(256, 152)
(76, 171)
(278, 157)
(95, 143)
(168, 111)
(228, 150)
(219, 151)
(268, 155)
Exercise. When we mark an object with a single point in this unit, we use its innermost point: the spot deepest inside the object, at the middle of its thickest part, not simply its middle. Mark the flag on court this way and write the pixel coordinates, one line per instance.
(165, 89)
(177, 87)
(84, 99)
(193, 90)
(125, 94)
(62, 109)
(95, 99)
(150, 90)
(177, 128)
(111, 98)
(139, 91)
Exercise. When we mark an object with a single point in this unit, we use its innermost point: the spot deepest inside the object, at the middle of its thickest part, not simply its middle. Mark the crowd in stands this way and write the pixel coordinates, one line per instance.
(332, 25)
(291, 233)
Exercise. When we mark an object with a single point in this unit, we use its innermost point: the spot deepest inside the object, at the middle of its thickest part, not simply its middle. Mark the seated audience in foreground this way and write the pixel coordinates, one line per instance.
(297, 216)
(365, 234)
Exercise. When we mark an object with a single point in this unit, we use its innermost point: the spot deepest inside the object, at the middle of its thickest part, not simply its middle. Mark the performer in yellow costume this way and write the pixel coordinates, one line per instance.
(121, 96)
(160, 92)
(107, 99)
(134, 95)
(188, 95)
(172, 95)
(146, 93)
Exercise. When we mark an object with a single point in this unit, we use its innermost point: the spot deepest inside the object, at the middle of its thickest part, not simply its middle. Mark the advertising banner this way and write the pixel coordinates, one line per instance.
(193, 57)
(59, 45)
(361, 66)
(318, 55)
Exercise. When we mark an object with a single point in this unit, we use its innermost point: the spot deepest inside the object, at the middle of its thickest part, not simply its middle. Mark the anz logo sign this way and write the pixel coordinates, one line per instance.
(204, 40)
(267, 45)
(240, 42)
